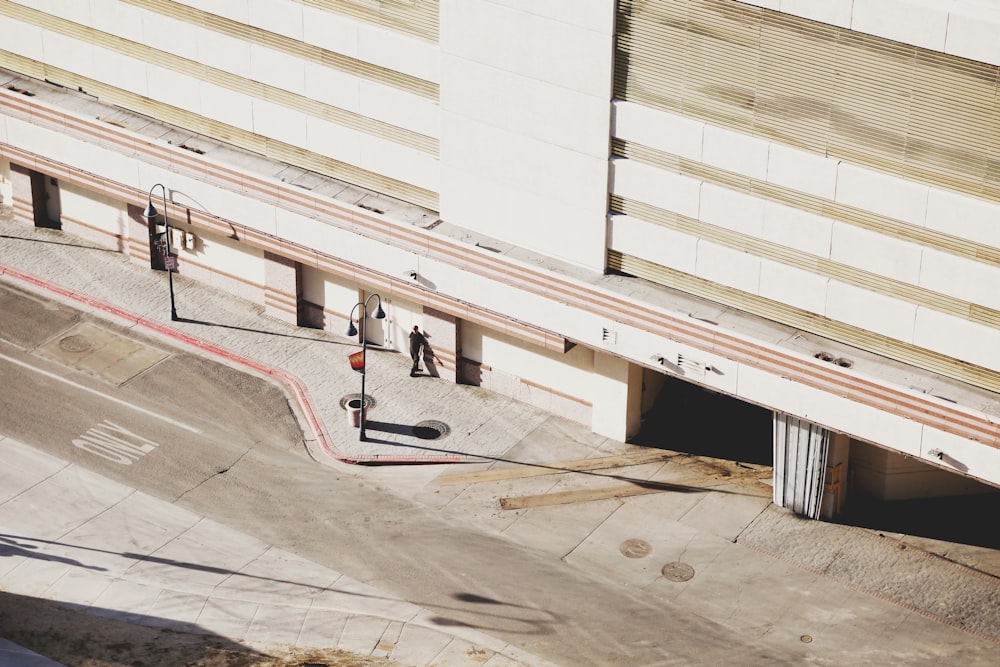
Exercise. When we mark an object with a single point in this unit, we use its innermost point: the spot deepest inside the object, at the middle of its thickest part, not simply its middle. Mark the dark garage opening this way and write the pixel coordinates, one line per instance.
(688, 418)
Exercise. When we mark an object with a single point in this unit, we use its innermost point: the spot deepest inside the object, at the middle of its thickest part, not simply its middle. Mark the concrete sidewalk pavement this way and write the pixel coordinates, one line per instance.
(88, 542)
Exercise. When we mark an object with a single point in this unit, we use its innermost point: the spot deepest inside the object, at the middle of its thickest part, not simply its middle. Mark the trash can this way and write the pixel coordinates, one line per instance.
(354, 412)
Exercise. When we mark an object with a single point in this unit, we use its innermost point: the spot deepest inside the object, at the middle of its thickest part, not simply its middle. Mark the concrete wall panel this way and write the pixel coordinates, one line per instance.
(972, 32)
(834, 12)
(170, 35)
(960, 277)
(797, 229)
(795, 287)
(280, 16)
(226, 105)
(736, 151)
(22, 38)
(278, 69)
(728, 267)
(922, 23)
(664, 246)
(657, 129)
(68, 53)
(123, 72)
(963, 216)
(958, 338)
(237, 10)
(330, 30)
(399, 108)
(173, 88)
(223, 52)
(888, 195)
(802, 171)
(877, 253)
(730, 209)
(397, 51)
(869, 310)
(671, 192)
(333, 87)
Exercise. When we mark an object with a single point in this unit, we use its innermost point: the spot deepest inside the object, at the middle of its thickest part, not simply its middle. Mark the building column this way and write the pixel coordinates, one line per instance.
(617, 398)
(443, 338)
(28, 196)
(137, 233)
(281, 288)
(835, 486)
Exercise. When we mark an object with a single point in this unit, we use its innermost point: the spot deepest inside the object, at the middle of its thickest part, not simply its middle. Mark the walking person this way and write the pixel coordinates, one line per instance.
(417, 345)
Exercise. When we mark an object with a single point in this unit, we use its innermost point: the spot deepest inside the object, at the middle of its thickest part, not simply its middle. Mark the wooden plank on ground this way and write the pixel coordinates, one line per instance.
(587, 495)
(535, 469)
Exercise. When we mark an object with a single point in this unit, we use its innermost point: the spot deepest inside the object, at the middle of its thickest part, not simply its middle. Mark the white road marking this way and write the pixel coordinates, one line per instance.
(101, 394)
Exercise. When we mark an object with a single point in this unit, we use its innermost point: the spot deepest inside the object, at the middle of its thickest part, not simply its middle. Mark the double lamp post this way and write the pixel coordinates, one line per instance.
(170, 263)
(352, 331)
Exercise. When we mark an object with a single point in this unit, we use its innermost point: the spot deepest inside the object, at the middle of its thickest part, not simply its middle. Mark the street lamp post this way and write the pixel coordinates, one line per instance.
(352, 331)
(150, 214)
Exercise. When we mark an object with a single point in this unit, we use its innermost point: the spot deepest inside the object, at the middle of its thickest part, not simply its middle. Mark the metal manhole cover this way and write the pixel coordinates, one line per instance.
(677, 571)
(635, 548)
(431, 429)
(369, 401)
(75, 344)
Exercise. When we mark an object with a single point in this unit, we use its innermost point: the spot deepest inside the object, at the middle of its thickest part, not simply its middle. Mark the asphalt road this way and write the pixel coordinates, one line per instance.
(127, 406)
(226, 445)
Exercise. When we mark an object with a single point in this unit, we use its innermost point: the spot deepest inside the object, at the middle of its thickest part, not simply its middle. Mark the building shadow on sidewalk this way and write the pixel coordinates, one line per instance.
(406, 429)
(188, 320)
(63, 243)
(72, 634)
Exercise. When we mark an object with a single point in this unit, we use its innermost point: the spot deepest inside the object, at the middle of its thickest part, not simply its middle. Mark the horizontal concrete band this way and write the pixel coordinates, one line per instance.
(500, 269)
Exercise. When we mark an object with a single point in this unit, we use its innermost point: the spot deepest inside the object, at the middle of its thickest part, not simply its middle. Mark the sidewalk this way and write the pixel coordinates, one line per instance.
(90, 543)
(480, 423)
(756, 569)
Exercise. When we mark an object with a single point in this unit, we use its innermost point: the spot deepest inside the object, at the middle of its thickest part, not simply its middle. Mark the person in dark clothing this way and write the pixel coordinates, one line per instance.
(417, 344)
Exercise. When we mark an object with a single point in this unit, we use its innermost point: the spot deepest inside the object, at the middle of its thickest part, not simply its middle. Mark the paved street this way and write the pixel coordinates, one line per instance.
(546, 545)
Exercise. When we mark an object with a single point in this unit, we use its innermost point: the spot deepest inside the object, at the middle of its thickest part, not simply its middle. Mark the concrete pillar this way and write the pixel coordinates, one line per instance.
(281, 288)
(443, 331)
(835, 488)
(27, 195)
(5, 199)
(617, 398)
(136, 240)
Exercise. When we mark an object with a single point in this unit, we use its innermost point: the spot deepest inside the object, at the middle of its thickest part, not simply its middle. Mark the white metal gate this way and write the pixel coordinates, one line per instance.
(800, 450)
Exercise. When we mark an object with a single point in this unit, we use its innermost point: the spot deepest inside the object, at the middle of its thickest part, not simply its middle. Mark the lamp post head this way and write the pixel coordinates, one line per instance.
(150, 212)
(379, 313)
(351, 329)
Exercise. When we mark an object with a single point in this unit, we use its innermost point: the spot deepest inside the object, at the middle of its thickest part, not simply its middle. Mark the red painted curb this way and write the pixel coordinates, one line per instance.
(292, 383)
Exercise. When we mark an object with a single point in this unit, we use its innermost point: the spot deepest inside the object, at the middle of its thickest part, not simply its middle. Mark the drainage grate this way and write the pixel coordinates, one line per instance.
(635, 548)
(75, 343)
(677, 571)
(370, 402)
(431, 429)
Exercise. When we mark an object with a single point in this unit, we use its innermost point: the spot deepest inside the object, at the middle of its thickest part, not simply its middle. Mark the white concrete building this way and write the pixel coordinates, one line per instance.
(792, 202)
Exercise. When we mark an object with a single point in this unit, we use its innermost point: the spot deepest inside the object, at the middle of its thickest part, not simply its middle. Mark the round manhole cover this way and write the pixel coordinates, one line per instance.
(431, 429)
(369, 401)
(635, 548)
(75, 343)
(677, 571)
